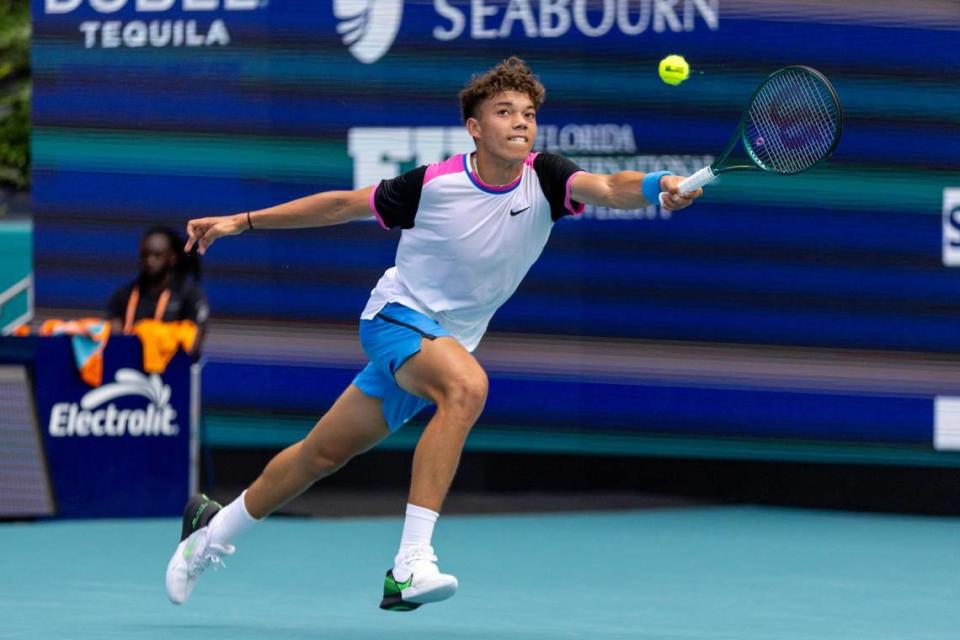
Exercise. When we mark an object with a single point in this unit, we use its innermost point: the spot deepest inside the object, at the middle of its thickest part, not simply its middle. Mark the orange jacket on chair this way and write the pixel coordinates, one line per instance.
(161, 340)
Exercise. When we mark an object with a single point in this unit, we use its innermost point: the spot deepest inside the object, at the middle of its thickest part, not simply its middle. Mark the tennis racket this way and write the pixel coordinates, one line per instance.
(792, 123)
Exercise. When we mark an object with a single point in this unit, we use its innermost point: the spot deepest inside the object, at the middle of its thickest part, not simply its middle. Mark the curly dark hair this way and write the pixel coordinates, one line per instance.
(512, 74)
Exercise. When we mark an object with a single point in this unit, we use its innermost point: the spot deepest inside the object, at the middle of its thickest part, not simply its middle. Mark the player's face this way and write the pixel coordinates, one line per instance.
(156, 256)
(505, 126)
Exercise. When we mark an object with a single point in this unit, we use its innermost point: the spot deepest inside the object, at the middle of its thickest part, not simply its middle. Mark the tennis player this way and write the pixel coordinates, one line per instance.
(471, 228)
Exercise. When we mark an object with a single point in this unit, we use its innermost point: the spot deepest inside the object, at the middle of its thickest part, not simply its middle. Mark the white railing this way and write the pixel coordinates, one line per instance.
(24, 285)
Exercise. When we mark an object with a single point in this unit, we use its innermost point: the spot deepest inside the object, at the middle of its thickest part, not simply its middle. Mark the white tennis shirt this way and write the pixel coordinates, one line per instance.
(466, 245)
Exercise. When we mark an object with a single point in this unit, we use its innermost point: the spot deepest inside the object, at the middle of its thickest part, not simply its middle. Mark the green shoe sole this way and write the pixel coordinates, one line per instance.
(396, 603)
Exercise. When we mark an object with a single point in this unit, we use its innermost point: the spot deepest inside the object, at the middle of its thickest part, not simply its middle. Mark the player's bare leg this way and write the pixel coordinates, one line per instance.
(447, 374)
(354, 424)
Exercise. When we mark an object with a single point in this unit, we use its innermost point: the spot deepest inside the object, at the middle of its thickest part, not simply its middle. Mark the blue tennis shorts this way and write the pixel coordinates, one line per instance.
(391, 338)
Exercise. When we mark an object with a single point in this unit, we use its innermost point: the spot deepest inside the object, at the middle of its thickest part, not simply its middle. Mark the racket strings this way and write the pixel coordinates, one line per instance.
(820, 105)
(783, 100)
(792, 122)
(768, 139)
(795, 138)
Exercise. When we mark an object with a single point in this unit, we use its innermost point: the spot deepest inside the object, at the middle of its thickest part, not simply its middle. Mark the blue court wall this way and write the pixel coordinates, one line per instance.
(151, 111)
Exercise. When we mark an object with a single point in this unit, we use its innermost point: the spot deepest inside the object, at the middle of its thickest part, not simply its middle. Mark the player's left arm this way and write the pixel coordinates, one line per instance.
(625, 190)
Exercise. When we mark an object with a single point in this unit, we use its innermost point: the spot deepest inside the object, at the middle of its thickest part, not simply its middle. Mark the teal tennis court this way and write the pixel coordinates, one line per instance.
(736, 573)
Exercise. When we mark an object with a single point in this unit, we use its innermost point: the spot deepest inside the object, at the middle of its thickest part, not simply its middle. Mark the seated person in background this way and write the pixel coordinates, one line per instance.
(167, 288)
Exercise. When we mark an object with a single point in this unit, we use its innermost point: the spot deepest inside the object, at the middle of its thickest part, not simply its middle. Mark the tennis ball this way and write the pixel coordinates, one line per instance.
(674, 69)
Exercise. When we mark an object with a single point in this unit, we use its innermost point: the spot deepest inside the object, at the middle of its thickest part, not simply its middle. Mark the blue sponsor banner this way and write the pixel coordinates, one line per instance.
(158, 110)
(601, 406)
(121, 449)
(151, 111)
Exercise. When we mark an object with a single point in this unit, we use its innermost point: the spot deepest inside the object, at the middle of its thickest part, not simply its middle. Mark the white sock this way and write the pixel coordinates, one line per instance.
(418, 526)
(417, 531)
(231, 521)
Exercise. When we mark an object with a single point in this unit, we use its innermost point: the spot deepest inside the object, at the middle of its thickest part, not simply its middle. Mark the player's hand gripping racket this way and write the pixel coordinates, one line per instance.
(792, 123)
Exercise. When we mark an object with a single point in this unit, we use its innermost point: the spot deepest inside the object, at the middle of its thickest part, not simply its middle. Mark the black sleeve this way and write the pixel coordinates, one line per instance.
(554, 171)
(117, 306)
(195, 304)
(395, 201)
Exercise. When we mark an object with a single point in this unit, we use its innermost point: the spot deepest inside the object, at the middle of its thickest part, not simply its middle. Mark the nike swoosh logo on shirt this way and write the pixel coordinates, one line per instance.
(518, 211)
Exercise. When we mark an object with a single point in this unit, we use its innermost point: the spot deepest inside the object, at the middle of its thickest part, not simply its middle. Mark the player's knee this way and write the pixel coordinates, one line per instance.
(466, 393)
(321, 461)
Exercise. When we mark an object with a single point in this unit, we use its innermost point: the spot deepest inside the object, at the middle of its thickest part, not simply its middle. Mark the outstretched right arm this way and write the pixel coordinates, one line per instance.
(319, 210)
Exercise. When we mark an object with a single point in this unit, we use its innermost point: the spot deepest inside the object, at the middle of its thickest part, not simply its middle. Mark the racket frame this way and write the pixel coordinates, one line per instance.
(708, 174)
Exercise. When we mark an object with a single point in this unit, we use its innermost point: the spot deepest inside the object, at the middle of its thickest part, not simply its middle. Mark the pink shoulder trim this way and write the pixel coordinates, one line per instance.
(568, 202)
(450, 165)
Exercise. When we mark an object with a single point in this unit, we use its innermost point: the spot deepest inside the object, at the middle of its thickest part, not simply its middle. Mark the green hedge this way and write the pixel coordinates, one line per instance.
(15, 93)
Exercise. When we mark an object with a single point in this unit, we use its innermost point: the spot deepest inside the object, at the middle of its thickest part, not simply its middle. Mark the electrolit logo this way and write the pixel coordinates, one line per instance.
(91, 418)
(368, 27)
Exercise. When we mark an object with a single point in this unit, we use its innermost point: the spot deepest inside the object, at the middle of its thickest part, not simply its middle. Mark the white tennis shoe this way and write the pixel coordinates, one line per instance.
(421, 581)
(195, 552)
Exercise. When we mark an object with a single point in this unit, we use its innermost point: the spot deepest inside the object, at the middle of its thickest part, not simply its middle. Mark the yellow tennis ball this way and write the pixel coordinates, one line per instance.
(674, 69)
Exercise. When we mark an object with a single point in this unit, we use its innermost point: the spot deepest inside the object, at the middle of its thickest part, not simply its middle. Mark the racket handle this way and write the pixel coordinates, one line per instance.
(703, 177)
